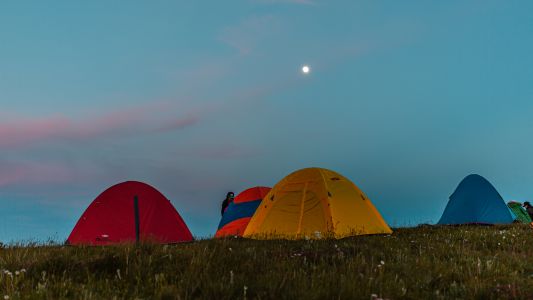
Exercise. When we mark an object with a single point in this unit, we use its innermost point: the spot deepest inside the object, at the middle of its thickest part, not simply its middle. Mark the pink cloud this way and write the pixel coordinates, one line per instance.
(178, 124)
(19, 132)
(125, 123)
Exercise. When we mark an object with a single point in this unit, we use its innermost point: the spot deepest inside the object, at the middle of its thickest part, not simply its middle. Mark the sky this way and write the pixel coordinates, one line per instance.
(198, 98)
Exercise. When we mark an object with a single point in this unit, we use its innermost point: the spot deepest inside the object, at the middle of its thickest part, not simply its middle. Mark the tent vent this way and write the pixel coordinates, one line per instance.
(272, 198)
(329, 194)
(335, 178)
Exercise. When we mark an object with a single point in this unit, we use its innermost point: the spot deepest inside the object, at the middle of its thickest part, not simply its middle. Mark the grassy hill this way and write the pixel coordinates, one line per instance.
(418, 263)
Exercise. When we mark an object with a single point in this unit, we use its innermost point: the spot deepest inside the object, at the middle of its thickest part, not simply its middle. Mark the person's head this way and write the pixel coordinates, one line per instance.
(230, 196)
(527, 204)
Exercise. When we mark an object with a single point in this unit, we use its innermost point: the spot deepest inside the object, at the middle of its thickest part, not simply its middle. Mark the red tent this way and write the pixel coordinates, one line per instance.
(128, 212)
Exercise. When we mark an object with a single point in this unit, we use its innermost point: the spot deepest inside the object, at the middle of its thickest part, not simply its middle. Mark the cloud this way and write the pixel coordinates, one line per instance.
(177, 124)
(249, 34)
(25, 131)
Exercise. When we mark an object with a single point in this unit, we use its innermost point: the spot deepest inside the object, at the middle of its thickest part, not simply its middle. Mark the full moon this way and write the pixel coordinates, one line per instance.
(306, 69)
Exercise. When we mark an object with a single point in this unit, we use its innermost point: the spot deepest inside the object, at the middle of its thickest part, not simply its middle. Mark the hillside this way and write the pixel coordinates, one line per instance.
(416, 263)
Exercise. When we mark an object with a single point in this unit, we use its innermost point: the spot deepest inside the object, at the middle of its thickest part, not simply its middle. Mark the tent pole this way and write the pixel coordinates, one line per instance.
(137, 223)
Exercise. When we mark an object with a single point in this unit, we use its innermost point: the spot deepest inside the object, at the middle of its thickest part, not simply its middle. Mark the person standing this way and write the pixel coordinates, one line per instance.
(529, 209)
(229, 198)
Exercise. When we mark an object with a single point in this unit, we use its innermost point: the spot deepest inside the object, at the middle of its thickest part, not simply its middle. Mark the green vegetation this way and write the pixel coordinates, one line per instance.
(417, 263)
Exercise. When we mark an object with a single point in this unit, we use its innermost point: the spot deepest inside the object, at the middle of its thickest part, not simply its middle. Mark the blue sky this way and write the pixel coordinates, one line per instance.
(197, 98)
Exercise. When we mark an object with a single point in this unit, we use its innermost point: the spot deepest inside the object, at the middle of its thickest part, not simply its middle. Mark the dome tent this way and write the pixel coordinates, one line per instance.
(476, 201)
(315, 203)
(129, 212)
(519, 212)
(240, 211)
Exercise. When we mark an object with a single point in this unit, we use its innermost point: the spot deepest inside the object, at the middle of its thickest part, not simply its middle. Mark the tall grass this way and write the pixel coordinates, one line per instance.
(470, 262)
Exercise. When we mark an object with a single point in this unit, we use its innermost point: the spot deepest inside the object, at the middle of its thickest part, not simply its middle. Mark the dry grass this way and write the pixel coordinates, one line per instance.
(471, 262)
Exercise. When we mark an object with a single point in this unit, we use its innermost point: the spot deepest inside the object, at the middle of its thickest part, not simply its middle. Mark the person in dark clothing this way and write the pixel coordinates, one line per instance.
(529, 209)
(227, 201)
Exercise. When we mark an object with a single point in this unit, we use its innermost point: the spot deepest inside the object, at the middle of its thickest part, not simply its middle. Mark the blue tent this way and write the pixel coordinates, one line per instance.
(476, 201)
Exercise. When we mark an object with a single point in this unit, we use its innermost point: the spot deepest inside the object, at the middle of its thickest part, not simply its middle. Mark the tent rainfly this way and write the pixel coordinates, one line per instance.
(519, 212)
(240, 211)
(130, 212)
(315, 203)
(476, 201)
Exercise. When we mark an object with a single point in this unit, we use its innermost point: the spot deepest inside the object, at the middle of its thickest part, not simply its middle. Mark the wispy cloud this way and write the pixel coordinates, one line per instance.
(248, 35)
(25, 131)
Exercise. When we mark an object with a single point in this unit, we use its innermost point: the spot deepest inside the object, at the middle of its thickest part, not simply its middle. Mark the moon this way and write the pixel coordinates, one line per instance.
(306, 69)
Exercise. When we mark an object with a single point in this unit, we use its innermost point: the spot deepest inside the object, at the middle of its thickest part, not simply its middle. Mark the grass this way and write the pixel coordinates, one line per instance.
(470, 262)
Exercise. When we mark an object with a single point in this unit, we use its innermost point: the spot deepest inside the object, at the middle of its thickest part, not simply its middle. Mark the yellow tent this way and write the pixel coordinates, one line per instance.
(314, 203)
